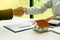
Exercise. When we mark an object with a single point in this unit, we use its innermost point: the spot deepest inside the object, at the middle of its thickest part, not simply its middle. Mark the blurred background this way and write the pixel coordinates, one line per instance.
(6, 4)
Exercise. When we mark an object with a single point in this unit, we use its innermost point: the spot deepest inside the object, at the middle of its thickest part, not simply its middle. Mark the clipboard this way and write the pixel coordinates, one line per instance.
(18, 24)
(55, 30)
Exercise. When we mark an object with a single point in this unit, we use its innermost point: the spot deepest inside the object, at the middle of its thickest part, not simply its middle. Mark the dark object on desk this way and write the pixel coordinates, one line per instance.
(54, 22)
(57, 18)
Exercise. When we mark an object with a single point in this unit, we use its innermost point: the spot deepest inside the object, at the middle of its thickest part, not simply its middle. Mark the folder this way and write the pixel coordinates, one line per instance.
(18, 24)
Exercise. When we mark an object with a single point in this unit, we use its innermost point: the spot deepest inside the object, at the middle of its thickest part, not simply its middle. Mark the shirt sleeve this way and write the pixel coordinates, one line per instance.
(39, 9)
(6, 14)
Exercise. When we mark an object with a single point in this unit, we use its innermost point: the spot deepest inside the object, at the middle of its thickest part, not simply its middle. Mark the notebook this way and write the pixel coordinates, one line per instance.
(55, 30)
(18, 24)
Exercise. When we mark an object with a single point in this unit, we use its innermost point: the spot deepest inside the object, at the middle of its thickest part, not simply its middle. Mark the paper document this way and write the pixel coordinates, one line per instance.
(18, 24)
(56, 30)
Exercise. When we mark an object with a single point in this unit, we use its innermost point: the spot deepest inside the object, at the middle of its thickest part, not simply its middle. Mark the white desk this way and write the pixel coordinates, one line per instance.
(27, 35)
(5, 34)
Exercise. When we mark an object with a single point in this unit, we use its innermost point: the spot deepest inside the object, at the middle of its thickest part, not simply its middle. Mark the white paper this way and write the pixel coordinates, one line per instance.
(15, 21)
(56, 29)
(17, 24)
(54, 21)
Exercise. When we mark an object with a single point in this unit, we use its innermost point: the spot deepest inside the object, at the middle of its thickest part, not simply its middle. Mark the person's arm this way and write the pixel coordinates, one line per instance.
(40, 9)
(6, 14)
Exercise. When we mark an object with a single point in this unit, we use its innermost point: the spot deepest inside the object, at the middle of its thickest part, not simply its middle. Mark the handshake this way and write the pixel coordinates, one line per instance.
(19, 11)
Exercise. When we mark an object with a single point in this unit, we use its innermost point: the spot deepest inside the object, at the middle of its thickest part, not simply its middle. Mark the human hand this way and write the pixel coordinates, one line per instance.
(19, 11)
(50, 18)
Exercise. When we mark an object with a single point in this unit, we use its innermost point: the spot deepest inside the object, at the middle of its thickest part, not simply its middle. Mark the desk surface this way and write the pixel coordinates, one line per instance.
(6, 34)
(27, 35)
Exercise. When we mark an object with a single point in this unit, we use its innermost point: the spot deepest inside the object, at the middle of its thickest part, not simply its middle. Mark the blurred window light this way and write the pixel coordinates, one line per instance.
(4, 4)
